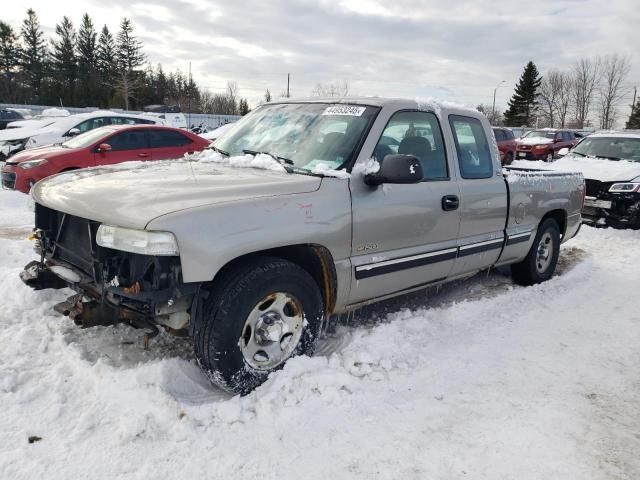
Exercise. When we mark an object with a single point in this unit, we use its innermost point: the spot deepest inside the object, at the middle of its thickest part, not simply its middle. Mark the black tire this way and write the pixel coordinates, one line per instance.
(220, 321)
(528, 271)
(508, 158)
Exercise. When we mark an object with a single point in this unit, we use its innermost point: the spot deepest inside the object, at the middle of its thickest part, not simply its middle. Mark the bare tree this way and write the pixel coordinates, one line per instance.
(337, 89)
(564, 85)
(494, 116)
(548, 97)
(586, 74)
(615, 69)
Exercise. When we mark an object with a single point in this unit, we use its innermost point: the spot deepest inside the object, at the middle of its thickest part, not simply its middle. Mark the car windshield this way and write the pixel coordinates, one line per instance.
(86, 139)
(540, 134)
(627, 148)
(306, 134)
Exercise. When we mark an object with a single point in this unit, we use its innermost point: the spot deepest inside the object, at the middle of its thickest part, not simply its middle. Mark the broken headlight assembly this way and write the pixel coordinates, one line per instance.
(630, 187)
(137, 241)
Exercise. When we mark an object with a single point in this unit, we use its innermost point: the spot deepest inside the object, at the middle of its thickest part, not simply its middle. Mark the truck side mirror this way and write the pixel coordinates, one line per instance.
(563, 151)
(396, 169)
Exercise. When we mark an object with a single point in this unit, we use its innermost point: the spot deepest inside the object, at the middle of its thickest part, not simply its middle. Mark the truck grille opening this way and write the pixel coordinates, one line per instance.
(596, 188)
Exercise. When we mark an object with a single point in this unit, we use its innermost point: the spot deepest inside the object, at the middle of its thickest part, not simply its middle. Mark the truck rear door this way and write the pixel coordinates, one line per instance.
(403, 237)
(483, 196)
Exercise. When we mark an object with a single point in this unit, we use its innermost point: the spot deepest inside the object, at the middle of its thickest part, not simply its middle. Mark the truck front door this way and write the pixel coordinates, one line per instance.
(402, 235)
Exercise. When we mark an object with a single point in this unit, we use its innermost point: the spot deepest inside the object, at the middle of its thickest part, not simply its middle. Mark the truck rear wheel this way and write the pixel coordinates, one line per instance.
(540, 263)
(257, 317)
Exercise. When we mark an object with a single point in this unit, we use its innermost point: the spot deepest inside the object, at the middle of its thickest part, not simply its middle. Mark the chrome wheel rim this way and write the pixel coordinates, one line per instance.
(545, 252)
(272, 331)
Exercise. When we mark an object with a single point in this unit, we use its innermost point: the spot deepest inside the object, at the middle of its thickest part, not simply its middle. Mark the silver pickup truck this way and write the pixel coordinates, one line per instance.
(303, 210)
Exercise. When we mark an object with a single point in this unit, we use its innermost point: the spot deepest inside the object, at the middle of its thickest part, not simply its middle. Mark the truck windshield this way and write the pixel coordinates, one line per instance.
(615, 148)
(308, 134)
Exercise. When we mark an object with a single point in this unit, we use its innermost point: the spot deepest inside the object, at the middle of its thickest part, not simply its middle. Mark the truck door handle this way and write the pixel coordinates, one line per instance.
(450, 202)
(143, 155)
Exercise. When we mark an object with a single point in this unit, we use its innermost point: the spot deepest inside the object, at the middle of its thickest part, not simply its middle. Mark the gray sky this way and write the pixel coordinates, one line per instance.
(457, 50)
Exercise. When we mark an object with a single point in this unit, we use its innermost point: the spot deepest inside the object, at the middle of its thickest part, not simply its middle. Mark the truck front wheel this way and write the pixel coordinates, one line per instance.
(540, 263)
(255, 318)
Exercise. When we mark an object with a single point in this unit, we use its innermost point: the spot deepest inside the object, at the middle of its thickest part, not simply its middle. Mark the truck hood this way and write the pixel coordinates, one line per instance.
(134, 193)
(599, 169)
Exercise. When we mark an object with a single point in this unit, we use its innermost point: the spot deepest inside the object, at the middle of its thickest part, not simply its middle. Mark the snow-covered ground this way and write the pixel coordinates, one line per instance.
(477, 380)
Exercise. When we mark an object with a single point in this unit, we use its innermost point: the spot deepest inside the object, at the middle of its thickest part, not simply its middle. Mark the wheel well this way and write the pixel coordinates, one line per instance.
(560, 216)
(316, 260)
(68, 169)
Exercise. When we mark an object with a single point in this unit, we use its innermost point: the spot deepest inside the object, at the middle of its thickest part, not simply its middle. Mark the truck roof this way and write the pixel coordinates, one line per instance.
(431, 104)
(617, 133)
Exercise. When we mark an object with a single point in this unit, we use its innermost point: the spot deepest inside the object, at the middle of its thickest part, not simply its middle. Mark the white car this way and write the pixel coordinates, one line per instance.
(610, 164)
(42, 132)
(170, 119)
(217, 132)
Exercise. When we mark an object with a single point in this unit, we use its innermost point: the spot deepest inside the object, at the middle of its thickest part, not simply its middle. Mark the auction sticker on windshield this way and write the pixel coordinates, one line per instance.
(350, 110)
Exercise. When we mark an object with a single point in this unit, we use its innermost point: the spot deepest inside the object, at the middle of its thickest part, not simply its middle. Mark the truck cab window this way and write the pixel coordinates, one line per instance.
(474, 155)
(418, 134)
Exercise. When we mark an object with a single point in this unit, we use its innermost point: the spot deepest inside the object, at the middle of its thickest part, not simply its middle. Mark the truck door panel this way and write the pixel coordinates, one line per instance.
(483, 197)
(402, 237)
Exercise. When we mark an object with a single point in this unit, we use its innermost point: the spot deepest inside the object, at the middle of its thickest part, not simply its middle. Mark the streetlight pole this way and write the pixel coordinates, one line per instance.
(493, 109)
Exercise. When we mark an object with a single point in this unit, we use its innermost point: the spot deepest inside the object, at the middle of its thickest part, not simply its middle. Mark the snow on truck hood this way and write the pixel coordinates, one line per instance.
(134, 193)
(599, 169)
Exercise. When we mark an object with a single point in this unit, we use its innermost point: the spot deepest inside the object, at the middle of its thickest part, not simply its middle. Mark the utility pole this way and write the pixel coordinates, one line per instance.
(633, 104)
(493, 109)
(189, 98)
(288, 77)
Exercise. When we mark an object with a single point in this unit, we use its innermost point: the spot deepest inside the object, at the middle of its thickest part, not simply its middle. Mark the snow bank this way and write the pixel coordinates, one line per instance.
(55, 112)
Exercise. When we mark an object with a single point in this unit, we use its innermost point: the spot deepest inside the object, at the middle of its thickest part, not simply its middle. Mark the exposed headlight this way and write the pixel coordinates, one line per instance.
(625, 187)
(32, 163)
(137, 241)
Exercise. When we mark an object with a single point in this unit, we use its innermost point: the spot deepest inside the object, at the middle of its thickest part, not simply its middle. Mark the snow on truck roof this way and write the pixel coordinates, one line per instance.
(418, 103)
(616, 133)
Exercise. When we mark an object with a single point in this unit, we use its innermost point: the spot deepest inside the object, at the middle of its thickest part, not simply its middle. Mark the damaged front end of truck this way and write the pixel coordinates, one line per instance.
(119, 275)
(614, 204)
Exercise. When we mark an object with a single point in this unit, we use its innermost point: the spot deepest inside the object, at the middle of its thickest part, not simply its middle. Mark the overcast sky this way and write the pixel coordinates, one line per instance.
(456, 49)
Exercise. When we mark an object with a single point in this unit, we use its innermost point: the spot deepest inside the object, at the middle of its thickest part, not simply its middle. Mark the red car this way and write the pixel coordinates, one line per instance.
(545, 144)
(102, 146)
(506, 144)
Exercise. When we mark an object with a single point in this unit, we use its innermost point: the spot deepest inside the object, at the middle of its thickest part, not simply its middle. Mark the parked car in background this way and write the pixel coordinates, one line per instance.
(7, 116)
(61, 129)
(610, 164)
(544, 144)
(506, 144)
(170, 115)
(101, 146)
(217, 132)
(290, 220)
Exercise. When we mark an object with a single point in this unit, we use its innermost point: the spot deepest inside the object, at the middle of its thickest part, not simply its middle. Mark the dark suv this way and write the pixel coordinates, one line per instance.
(7, 116)
(544, 144)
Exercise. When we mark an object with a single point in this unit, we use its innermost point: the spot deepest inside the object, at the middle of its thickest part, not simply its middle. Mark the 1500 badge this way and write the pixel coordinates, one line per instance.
(366, 247)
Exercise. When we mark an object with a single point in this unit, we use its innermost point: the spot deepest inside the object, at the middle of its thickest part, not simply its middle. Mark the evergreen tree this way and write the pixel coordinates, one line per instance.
(87, 63)
(634, 118)
(64, 62)
(267, 96)
(129, 57)
(524, 102)
(34, 55)
(243, 107)
(107, 65)
(9, 56)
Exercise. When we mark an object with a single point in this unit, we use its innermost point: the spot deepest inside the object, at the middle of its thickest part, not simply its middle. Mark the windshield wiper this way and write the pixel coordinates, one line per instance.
(219, 150)
(578, 153)
(607, 158)
(281, 160)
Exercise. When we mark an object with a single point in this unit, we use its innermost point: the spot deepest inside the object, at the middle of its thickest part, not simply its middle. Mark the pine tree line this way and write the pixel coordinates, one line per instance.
(91, 68)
